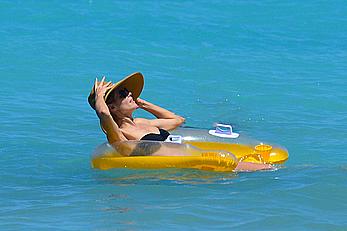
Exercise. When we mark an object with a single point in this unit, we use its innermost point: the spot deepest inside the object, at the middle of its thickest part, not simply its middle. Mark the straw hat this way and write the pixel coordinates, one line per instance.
(134, 83)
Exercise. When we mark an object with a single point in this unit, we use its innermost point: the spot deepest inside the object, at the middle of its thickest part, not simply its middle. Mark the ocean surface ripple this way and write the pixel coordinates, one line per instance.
(276, 71)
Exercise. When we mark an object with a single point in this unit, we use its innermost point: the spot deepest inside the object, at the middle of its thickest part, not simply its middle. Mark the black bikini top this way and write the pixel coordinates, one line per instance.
(156, 137)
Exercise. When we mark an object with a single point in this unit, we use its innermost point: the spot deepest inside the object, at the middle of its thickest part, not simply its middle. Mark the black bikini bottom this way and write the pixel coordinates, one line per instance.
(145, 148)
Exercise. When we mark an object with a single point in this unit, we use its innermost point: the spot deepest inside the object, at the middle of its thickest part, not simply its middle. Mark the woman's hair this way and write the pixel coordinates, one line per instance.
(110, 104)
(110, 98)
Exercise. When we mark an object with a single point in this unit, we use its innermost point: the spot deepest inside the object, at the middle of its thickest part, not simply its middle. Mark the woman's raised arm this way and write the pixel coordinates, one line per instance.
(166, 119)
(107, 123)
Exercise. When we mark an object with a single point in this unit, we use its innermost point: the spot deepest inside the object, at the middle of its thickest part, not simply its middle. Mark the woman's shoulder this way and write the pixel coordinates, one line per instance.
(141, 121)
(145, 123)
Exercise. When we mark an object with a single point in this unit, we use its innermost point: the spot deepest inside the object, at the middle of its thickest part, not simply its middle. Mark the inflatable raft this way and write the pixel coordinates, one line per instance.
(189, 148)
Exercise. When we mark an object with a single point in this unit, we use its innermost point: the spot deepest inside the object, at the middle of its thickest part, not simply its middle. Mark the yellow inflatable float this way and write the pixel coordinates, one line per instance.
(216, 150)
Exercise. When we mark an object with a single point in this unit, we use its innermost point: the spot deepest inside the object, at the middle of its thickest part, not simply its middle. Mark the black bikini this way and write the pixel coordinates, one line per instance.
(157, 137)
(147, 148)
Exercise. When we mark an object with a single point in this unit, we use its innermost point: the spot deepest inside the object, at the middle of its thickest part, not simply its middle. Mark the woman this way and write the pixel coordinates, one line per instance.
(115, 104)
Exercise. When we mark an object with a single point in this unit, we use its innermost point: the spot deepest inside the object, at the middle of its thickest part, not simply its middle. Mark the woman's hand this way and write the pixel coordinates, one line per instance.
(101, 87)
(140, 102)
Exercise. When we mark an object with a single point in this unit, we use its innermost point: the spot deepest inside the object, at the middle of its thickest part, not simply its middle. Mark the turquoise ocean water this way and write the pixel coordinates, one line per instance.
(276, 70)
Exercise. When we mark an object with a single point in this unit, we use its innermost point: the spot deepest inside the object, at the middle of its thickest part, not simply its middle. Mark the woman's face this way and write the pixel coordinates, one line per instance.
(124, 102)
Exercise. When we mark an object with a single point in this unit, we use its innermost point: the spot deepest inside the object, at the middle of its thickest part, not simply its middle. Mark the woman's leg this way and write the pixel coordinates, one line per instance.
(247, 166)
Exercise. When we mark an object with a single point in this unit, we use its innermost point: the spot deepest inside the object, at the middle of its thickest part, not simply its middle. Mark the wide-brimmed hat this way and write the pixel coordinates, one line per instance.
(134, 83)
(224, 130)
